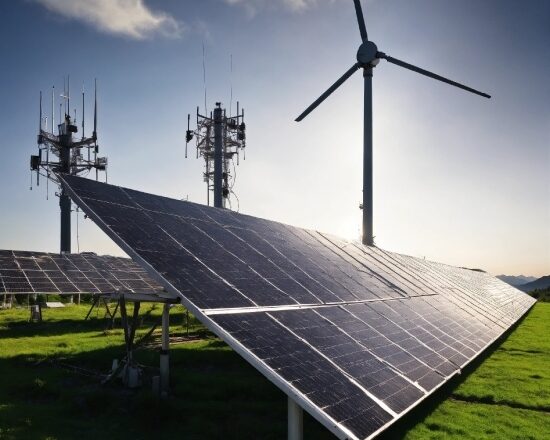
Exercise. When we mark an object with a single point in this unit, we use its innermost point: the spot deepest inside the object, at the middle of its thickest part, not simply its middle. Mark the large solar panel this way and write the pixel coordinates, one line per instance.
(23, 272)
(356, 335)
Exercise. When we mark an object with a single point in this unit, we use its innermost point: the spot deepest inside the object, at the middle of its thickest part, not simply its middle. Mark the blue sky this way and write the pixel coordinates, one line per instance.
(458, 178)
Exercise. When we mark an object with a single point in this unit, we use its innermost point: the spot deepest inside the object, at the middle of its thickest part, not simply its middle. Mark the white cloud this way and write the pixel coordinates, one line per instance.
(299, 5)
(252, 6)
(130, 18)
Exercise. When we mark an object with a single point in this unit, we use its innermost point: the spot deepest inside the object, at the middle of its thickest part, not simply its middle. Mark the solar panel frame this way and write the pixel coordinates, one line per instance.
(291, 391)
(210, 318)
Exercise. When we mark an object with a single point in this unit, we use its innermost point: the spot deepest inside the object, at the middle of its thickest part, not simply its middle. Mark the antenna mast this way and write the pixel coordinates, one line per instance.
(67, 156)
(219, 140)
(83, 136)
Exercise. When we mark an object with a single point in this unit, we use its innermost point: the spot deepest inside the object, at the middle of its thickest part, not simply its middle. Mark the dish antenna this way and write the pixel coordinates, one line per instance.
(368, 57)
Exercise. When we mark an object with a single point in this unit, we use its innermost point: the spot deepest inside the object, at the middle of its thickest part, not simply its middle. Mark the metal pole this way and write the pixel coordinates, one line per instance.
(65, 205)
(164, 354)
(295, 421)
(367, 238)
(218, 146)
(64, 200)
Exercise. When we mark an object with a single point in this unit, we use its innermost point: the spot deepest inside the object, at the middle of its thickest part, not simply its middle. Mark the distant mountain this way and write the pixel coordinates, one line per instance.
(516, 280)
(541, 283)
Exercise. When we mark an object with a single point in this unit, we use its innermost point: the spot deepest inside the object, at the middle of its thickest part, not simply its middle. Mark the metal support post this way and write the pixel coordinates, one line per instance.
(367, 237)
(65, 205)
(95, 302)
(295, 421)
(218, 159)
(165, 354)
(64, 200)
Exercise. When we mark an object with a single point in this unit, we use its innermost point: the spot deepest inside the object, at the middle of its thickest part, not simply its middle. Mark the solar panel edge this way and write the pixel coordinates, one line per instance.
(337, 429)
(325, 235)
(438, 387)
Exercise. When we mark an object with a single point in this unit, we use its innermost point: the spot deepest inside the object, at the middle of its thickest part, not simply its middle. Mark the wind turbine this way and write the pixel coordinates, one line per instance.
(368, 56)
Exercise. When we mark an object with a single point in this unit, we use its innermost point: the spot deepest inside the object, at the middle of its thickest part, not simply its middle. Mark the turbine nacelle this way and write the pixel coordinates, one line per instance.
(367, 55)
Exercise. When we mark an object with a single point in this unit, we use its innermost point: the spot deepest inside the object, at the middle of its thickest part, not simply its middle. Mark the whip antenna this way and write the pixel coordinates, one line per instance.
(204, 76)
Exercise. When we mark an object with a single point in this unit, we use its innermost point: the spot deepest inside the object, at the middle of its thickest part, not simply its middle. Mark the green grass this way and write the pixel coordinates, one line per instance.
(217, 395)
(508, 394)
(517, 373)
(462, 420)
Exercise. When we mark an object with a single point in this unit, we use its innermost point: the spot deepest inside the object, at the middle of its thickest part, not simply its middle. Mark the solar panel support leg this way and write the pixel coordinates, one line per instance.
(113, 316)
(295, 421)
(165, 353)
(94, 303)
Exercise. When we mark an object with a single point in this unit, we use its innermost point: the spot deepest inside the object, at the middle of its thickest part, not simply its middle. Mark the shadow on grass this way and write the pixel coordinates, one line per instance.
(23, 329)
(215, 394)
(400, 428)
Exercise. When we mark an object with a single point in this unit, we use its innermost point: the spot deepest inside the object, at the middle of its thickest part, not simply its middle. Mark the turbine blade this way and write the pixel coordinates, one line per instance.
(430, 74)
(360, 20)
(329, 91)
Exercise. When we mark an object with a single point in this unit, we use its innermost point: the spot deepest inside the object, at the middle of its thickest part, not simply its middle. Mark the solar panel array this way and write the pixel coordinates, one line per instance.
(356, 335)
(24, 272)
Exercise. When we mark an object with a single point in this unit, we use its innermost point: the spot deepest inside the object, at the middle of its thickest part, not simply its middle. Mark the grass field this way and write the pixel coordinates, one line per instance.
(217, 395)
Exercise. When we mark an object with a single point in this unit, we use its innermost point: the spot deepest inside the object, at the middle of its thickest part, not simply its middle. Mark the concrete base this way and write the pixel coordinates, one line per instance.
(131, 376)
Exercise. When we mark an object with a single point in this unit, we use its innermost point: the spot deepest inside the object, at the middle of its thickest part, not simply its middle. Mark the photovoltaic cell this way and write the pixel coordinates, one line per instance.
(23, 272)
(306, 370)
(356, 335)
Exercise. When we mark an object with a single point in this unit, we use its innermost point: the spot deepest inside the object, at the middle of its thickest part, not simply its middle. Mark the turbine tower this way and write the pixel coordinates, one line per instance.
(368, 56)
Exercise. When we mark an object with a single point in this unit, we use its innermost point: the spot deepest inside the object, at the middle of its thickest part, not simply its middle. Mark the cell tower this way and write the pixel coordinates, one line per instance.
(219, 139)
(63, 153)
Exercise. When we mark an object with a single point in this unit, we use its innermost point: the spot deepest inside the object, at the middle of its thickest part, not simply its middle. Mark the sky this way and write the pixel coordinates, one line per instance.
(457, 178)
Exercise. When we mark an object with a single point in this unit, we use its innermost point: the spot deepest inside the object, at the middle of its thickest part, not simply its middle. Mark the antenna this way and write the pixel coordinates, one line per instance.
(69, 95)
(219, 139)
(188, 134)
(53, 109)
(368, 58)
(40, 120)
(94, 134)
(83, 136)
(204, 76)
(231, 83)
(47, 173)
